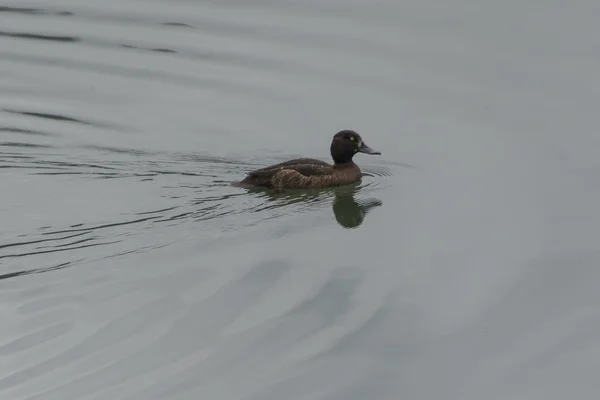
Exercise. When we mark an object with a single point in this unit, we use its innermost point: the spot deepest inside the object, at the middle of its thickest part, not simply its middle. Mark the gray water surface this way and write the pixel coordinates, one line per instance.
(465, 265)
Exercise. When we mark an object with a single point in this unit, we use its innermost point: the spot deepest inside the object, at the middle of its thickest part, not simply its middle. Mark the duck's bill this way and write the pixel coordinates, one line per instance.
(367, 150)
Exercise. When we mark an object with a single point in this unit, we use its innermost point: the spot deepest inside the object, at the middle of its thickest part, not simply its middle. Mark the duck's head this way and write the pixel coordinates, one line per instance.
(346, 144)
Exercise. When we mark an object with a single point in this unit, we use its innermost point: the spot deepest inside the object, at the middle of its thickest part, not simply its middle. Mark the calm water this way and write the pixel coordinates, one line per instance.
(464, 266)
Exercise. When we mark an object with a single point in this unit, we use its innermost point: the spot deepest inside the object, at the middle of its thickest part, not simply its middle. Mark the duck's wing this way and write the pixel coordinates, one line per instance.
(311, 169)
(303, 169)
(293, 164)
(299, 167)
(303, 176)
(306, 166)
(306, 161)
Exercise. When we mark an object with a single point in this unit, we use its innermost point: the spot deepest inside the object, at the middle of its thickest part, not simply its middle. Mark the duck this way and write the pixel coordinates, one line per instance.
(305, 173)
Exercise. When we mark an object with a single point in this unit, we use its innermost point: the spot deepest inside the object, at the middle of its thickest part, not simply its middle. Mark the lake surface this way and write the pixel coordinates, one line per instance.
(465, 265)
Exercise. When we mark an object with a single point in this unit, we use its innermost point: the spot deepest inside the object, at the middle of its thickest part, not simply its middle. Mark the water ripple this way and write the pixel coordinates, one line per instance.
(32, 11)
(37, 270)
(197, 193)
(39, 37)
(24, 131)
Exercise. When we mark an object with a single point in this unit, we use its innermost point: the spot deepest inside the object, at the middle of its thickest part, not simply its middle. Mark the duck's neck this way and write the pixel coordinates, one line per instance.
(343, 161)
(345, 164)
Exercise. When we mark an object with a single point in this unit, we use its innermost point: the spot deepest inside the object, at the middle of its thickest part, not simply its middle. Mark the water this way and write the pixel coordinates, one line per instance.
(463, 266)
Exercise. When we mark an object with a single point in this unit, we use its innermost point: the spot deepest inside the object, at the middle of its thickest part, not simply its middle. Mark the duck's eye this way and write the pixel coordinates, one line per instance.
(352, 138)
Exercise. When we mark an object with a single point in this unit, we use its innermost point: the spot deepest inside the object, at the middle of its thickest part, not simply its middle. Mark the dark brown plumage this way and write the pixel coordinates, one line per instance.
(302, 173)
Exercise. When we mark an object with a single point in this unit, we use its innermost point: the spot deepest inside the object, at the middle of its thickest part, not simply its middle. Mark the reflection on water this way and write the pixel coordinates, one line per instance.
(348, 211)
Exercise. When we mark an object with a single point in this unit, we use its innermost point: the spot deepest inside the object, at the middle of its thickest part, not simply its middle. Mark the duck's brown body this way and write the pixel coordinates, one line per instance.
(304, 173)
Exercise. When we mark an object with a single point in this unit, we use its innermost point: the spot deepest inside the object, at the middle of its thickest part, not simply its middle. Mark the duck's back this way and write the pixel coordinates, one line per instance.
(295, 162)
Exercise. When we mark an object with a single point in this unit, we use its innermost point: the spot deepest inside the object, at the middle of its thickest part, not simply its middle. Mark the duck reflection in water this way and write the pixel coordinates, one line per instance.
(349, 212)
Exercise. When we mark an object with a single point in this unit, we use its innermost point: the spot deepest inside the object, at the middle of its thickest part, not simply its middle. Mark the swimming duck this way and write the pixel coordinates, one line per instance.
(303, 173)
